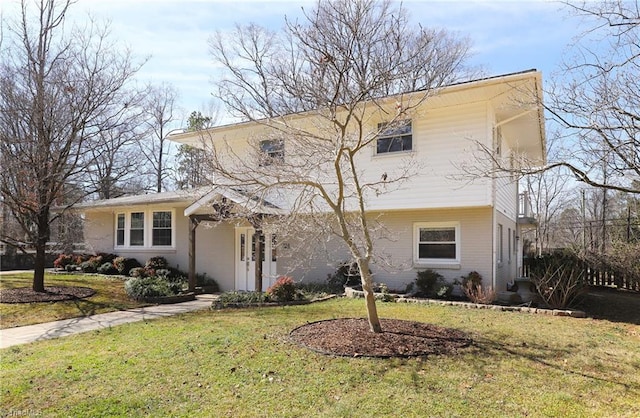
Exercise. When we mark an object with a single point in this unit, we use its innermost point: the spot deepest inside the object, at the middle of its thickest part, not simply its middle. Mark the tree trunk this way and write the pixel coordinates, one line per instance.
(40, 261)
(369, 296)
(39, 265)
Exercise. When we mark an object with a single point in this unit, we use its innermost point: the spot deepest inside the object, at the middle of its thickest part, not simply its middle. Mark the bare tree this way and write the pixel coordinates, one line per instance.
(58, 91)
(160, 108)
(338, 65)
(597, 98)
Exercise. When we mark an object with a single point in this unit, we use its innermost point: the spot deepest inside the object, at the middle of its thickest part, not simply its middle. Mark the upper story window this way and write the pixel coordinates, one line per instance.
(437, 242)
(145, 229)
(394, 138)
(272, 151)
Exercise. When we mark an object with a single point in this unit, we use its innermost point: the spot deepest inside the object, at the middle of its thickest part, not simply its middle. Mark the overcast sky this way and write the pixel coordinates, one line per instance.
(507, 36)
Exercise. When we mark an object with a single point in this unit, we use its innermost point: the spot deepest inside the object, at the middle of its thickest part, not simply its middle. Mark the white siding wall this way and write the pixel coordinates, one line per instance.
(506, 270)
(214, 246)
(397, 246)
(442, 141)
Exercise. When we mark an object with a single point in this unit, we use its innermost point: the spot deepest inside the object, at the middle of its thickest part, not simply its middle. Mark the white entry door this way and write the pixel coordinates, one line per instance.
(246, 260)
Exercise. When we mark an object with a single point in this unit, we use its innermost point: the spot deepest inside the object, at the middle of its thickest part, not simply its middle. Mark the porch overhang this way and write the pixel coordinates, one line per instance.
(234, 201)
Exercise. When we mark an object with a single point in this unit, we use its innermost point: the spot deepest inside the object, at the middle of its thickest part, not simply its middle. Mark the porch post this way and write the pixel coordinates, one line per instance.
(258, 240)
(193, 224)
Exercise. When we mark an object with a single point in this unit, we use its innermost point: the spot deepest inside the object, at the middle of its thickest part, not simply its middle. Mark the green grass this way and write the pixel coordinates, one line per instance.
(240, 363)
(110, 296)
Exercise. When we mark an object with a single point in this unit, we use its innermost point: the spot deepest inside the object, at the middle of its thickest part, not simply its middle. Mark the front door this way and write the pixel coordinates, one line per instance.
(246, 260)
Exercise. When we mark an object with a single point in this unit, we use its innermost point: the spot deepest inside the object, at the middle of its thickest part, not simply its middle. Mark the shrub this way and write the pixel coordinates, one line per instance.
(283, 290)
(426, 281)
(478, 293)
(203, 280)
(71, 268)
(559, 278)
(347, 274)
(473, 277)
(156, 263)
(124, 264)
(140, 288)
(107, 257)
(239, 299)
(138, 272)
(107, 268)
(63, 261)
(88, 267)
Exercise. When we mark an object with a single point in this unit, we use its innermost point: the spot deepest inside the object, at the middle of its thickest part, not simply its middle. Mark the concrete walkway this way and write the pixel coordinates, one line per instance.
(30, 333)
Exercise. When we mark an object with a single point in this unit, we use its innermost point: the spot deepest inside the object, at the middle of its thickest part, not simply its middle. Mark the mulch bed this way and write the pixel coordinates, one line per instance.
(351, 337)
(51, 294)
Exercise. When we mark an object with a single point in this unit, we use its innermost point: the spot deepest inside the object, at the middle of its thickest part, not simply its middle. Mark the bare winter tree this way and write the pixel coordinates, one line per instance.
(338, 66)
(548, 193)
(58, 91)
(597, 98)
(161, 111)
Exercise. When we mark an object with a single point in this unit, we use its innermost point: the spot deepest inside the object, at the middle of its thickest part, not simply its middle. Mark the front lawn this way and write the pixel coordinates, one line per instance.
(240, 363)
(110, 296)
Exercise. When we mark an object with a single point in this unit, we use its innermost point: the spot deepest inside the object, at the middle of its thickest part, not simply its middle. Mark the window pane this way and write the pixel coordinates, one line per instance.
(395, 138)
(136, 237)
(272, 150)
(136, 232)
(161, 233)
(137, 220)
(437, 235)
(120, 229)
(162, 219)
(439, 251)
(162, 237)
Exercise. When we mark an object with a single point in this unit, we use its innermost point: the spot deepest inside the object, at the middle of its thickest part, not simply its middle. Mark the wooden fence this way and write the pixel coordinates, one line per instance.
(598, 277)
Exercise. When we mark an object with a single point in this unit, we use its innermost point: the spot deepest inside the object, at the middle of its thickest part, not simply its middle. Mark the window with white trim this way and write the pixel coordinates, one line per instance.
(396, 137)
(272, 152)
(145, 229)
(437, 242)
(120, 222)
(136, 229)
(161, 233)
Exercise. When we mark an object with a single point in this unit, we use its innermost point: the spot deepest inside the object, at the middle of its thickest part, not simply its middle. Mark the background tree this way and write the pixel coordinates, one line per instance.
(338, 64)
(160, 109)
(596, 99)
(115, 160)
(58, 90)
(192, 169)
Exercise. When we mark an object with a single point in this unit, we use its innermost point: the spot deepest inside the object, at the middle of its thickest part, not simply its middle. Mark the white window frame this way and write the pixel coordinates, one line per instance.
(437, 262)
(390, 133)
(148, 229)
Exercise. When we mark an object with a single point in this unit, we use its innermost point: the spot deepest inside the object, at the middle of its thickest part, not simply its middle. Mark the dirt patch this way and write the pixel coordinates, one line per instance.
(351, 337)
(51, 294)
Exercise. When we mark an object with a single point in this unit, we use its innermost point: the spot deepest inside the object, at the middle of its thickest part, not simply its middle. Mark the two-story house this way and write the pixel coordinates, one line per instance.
(454, 213)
